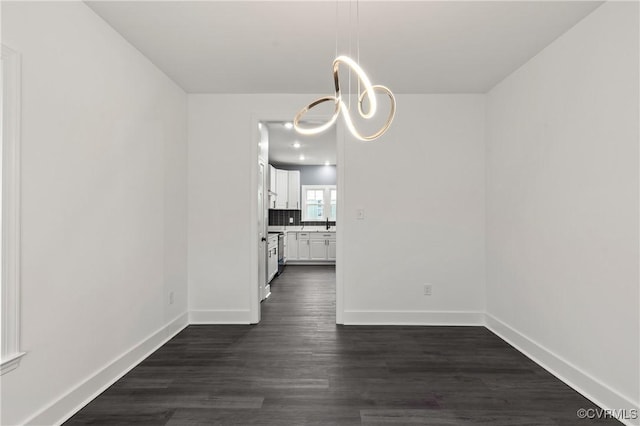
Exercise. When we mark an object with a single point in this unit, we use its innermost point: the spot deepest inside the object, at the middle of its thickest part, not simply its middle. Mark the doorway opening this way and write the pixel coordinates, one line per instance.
(298, 207)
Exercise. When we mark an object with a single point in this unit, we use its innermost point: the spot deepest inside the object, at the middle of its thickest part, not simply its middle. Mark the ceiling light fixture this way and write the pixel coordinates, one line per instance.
(288, 125)
(326, 163)
(302, 157)
(296, 145)
(368, 92)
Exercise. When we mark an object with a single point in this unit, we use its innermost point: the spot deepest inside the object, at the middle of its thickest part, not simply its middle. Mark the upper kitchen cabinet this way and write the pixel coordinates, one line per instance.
(284, 187)
(272, 187)
(293, 198)
(272, 179)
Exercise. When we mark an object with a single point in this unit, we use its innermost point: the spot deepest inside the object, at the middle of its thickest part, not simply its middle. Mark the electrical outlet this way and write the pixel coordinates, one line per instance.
(171, 298)
(290, 220)
(428, 288)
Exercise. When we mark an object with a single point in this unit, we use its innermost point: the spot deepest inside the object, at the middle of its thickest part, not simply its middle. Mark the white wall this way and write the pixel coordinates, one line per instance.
(422, 188)
(104, 207)
(562, 206)
(424, 200)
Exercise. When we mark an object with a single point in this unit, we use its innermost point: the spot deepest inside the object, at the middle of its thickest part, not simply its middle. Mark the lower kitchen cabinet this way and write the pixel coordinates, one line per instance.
(303, 246)
(322, 243)
(318, 249)
(285, 249)
(292, 246)
(311, 246)
(331, 250)
(272, 258)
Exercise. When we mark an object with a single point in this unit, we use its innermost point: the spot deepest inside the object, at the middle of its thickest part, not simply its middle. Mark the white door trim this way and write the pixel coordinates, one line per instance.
(11, 230)
(340, 219)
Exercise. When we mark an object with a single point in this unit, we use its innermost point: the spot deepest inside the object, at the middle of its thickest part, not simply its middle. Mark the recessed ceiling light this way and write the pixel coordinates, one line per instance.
(326, 163)
(288, 125)
(302, 157)
(296, 144)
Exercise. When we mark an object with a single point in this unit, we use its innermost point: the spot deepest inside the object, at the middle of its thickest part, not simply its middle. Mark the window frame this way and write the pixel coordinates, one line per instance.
(326, 205)
(10, 354)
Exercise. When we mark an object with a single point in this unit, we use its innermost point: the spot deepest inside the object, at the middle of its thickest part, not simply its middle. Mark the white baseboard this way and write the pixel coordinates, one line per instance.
(71, 402)
(219, 316)
(413, 318)
(581, 381)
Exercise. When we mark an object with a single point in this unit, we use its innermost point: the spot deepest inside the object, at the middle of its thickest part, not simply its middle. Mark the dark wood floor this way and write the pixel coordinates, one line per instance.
(298, 368)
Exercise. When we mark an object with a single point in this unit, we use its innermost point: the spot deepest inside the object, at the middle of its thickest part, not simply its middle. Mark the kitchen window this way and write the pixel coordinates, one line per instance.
(319, 202)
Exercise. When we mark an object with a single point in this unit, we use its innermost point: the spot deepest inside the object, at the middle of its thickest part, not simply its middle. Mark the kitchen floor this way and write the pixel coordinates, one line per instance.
(298, 368)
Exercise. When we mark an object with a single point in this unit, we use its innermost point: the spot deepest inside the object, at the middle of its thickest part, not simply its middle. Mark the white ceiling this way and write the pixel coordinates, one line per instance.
(316, 148)
(288, 46)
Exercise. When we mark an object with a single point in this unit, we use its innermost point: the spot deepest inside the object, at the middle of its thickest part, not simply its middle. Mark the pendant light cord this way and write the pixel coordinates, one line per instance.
(358, 39)
(350, 51)
(337, 29)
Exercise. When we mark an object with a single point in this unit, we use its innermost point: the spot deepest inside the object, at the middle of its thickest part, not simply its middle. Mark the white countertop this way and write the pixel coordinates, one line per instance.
(301, 229)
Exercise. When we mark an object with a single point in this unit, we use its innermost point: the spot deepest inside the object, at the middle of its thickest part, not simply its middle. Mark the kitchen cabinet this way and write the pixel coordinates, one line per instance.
(323, 246)
(272, 178)
(331, 249)
(318, 249)
(292, 245)
(285, 248)
(272, 257)
(272, 187)
(311, 246)
(282, 189)
(303, 246)
(293, 190)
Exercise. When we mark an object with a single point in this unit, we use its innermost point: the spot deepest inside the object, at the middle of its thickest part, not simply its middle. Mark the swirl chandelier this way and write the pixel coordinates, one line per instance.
(368, 92)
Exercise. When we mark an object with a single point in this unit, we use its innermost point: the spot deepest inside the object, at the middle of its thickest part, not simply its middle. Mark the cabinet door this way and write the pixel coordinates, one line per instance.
(272, 187)
(272, 178)
(303, 248)
(331, 250)
(285, 249)
(292, 246)
(272, 263)
(282, 188)
(294, 190)
(318, 250)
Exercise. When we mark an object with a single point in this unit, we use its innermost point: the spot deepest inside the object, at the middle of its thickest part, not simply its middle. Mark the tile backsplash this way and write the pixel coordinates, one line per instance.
(281, 218)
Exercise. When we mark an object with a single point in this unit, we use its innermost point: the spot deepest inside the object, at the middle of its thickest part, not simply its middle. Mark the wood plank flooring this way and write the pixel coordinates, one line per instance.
(298, 368)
